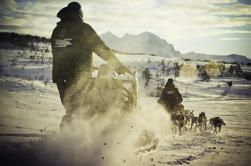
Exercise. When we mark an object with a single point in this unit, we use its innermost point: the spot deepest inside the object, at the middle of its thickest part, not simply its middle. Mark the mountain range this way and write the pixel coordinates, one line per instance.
(145, 42)
(149, 43)
(219, 58)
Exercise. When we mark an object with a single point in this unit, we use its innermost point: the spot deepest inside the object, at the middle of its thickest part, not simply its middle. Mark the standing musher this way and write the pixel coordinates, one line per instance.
(73, 42)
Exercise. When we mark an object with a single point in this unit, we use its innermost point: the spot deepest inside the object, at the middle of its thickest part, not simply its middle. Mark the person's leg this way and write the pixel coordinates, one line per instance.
(61, 89)
(74, 94)
(65, 95)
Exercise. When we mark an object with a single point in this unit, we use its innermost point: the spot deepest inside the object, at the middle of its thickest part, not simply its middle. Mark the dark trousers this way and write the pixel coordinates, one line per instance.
(62, 87)
(70, 92)
(67, 96)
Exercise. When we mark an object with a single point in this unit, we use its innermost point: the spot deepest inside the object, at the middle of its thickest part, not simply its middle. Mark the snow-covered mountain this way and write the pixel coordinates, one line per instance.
(228, 58)
(145, 42)
(149, 43)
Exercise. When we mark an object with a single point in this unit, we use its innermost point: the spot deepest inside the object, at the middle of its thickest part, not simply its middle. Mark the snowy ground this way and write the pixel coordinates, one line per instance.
(31, 110)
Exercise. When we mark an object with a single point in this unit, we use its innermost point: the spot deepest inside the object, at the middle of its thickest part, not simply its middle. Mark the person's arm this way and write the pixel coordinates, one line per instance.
(162, 97)
(179, 96)
(106, 54)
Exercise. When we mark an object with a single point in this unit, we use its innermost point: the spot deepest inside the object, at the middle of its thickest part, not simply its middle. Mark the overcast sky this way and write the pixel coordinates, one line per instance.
(206, 26)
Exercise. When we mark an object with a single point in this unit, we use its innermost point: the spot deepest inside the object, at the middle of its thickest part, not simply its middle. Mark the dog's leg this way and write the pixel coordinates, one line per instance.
(215, 129)
(195, 127)
(172, 129)
(191, 126)
(180, 130)
(185, 128)
(205, 125)
(175, 128)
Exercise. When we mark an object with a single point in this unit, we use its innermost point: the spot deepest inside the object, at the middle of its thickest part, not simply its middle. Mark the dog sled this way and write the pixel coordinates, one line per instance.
(96, 96)
(110, 85)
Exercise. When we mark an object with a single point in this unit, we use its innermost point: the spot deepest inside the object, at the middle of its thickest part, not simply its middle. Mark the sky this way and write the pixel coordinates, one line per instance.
(218, 27)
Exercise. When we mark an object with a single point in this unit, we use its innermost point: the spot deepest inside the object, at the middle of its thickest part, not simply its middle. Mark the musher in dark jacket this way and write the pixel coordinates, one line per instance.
(171, 98)
(73, 42)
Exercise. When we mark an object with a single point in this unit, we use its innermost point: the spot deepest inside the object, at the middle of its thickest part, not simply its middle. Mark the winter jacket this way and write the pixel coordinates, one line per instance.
(170, 97)
(73, 43)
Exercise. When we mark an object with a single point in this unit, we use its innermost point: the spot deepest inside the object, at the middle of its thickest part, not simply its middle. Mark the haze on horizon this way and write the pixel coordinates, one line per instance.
(208, 26)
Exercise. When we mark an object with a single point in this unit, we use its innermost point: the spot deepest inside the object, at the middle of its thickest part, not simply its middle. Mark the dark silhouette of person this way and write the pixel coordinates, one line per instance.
(171, 98)
(229, 83)
(73, 42)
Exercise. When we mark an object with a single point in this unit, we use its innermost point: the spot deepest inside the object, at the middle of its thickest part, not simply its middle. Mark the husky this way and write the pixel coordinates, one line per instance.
(217, 122)
(178, 119)
(200, 121)
(188, 114)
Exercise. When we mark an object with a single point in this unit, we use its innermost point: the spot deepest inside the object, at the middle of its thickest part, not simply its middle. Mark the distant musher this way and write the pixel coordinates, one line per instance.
(229, 83)
(171, 98)
(73, 43)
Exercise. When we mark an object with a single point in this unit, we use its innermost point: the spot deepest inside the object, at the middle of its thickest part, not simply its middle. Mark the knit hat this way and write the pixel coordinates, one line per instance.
(72, 11)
